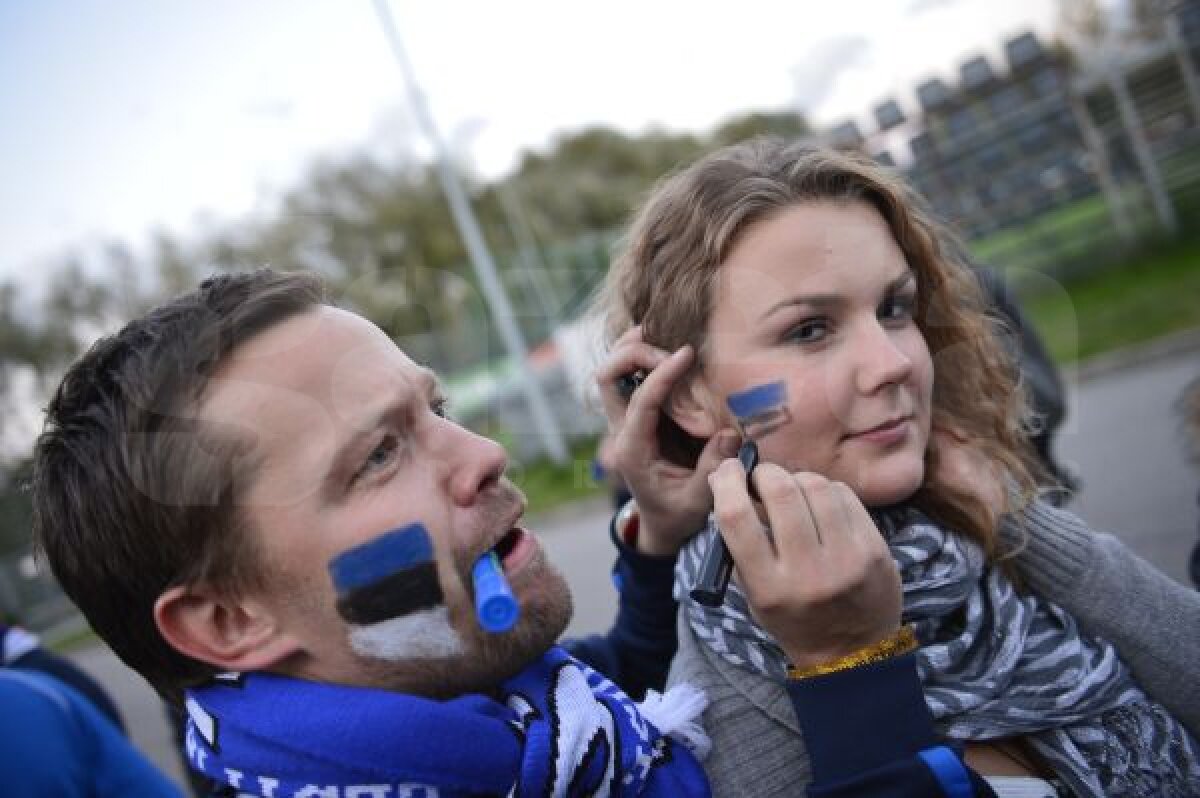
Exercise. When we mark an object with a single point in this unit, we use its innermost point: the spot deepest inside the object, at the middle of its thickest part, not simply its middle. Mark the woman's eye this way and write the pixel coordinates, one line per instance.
(809, 331)
(899, 308)
(440, 407)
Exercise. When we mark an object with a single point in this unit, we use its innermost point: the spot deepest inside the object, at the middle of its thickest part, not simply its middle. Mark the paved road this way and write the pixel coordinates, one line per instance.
(1121, 436)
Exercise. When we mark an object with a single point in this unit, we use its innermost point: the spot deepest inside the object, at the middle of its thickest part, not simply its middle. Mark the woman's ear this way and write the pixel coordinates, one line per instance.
(691, 406)
(233, 633)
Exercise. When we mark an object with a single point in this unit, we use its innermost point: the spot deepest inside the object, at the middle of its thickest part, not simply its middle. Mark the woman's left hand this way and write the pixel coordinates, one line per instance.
(826, 585)
(673, 500)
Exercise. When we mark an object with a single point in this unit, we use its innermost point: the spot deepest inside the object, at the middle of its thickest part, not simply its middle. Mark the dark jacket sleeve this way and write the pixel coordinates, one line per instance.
(870, 735)
(1037, 367)
(636, 653)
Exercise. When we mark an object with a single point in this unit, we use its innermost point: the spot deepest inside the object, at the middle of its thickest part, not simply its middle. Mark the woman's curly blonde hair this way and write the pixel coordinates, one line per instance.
(664, 275)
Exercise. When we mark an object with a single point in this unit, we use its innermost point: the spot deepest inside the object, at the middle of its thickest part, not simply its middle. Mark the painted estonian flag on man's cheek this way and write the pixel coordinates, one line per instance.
(391, 576)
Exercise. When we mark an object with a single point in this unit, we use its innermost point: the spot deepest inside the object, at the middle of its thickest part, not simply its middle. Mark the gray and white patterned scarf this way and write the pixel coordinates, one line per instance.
(994, 663)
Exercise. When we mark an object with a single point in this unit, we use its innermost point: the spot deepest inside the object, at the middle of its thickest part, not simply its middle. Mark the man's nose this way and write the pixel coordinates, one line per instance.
(473, 463)
(881, 360)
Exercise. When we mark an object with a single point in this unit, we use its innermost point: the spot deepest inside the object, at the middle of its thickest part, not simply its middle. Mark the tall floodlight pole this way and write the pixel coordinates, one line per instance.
(477, 250)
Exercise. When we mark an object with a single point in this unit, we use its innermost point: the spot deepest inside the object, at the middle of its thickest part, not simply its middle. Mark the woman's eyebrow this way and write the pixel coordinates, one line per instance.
(834, 300)
(813, 300)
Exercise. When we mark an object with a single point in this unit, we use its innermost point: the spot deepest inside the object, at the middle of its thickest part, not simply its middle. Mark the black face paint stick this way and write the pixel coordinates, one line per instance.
(759, 411)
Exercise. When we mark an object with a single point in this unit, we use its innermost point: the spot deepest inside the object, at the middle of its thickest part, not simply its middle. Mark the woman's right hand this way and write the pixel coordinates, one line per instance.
(823, 583)
(673, 501)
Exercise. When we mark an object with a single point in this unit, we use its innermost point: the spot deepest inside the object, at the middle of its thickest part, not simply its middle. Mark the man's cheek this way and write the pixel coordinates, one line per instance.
(390, 594)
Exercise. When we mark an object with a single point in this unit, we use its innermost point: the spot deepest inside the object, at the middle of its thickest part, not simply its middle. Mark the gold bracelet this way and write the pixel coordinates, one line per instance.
(894, 645)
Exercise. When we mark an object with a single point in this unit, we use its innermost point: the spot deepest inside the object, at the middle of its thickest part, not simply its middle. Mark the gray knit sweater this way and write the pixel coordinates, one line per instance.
(1153, 621)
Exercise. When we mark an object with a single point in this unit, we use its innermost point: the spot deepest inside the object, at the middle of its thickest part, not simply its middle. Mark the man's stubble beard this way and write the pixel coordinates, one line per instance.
(488, 659)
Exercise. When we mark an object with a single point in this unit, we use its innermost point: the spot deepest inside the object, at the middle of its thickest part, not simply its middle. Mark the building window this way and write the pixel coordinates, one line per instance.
(921, 145)
(1046, 82)
(961, 122)
(888, 115)
(1006, 101)
(932, 94)
(976, 72)
(1024, 49)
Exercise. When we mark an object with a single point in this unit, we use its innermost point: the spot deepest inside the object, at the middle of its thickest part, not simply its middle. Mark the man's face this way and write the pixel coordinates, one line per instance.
(350, 443)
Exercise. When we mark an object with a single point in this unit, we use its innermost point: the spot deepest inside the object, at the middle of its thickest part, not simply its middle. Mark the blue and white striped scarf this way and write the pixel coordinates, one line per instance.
(994, 663)
(558, 728)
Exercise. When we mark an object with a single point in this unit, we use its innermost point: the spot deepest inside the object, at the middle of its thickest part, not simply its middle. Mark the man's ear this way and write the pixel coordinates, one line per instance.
(691, 406)
(237, 634)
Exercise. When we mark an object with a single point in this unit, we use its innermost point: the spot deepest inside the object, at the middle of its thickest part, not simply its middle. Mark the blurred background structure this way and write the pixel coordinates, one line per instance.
(1071, 161)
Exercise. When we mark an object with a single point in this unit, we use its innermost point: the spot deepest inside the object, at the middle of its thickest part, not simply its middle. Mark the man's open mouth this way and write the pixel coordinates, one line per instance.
(508, 542)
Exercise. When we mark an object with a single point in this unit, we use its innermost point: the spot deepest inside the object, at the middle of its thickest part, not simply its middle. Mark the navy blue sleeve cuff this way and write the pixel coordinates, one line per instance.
(862, 718)
(640, 577)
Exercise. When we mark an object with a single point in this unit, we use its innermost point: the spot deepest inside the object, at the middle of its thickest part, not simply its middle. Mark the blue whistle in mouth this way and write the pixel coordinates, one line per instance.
(495, 605)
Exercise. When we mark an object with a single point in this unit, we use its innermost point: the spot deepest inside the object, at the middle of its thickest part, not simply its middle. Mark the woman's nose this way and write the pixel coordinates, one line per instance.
(882, 361)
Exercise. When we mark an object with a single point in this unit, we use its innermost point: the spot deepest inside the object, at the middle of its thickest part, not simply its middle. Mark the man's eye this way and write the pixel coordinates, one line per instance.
(440, 407)
(809, 331)
(380, 456)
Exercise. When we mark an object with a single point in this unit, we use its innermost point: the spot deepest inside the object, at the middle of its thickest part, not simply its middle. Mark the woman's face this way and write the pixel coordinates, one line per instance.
(820, 297)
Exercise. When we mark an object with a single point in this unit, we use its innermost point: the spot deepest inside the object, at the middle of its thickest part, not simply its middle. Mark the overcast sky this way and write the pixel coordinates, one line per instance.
(118, 116)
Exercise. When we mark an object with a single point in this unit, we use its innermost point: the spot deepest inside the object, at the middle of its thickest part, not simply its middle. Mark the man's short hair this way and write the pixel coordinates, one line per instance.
(131, 493)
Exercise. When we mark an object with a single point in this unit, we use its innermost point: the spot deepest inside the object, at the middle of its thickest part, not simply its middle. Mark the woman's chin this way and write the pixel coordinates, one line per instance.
(887, 486)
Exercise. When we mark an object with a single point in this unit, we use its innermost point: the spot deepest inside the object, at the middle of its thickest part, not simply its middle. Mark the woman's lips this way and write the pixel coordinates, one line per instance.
(886, 434)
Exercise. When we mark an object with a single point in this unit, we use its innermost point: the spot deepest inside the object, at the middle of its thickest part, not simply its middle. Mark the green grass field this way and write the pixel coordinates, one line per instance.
(547, 485)
(1061, 224)
(1152, 294)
